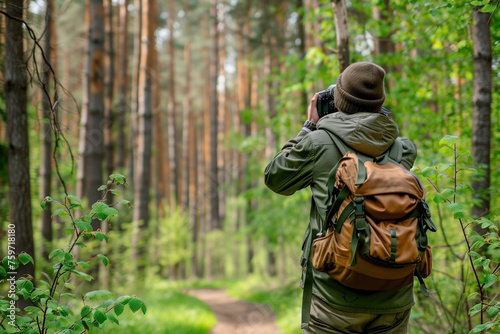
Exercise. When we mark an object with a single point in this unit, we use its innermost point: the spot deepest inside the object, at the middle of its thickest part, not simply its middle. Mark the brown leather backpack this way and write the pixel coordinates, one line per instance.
(375, 236)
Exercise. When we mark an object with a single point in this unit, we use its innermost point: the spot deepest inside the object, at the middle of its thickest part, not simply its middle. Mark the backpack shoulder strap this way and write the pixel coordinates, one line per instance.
(395, 152)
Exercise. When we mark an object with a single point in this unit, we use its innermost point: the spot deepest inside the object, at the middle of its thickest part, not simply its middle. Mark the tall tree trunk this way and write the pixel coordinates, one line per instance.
(109, 120)
(222, 106)
(383, 45)
(481, 109)
(82, 170)
(109, 62)
(15, 89)
(186, 118)
(46, 149)
(214, 73)
(144, 140)
(94, 140)
(122, 83)
(342, 29)
(173, 138)
(194, 203)
(134, 86)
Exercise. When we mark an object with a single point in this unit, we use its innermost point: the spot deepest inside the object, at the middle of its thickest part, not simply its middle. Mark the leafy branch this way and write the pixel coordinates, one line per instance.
(46, 299)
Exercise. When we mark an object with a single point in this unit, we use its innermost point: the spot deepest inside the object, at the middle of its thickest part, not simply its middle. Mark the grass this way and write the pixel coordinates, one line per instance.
(168, 311)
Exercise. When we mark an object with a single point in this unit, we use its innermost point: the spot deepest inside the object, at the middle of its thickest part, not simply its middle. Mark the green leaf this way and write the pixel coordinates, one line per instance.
(107, 303)
(82, 275)
(83, 264)
(3, 273)
(488, 8)
(32, 309)
(115, 192)
(493, 311)
(118, 309)
(429, 171)
(118, 179)
(113, 318)
(74, 199)
(456, 208)
(448, 193)
(97, 294)
(475, 310)
(102, 187)
(101, 236)
(144, 308)
(25, 284)
(125, 202)
(448, 140)
(99, 316)
(135, 304)
(83, 225)
(59, 212)
(25, 258)
(104, 259)
(438, 198)
(44, 202)
(85, 311)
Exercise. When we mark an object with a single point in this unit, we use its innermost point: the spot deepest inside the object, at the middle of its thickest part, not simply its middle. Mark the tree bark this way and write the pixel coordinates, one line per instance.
(173, 138)
(214, 72)
(144, 140)
(481, 110)
(94, 140)
(15, 89)
(109, 62)
(134, 86)
(122, 84)
(342, 29)
(46, 149)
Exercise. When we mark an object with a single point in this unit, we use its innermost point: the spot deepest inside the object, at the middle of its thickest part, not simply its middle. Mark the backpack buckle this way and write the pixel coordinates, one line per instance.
(359, 207)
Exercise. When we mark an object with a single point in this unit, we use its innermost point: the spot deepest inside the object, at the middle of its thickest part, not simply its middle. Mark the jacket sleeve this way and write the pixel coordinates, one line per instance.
(291, 169)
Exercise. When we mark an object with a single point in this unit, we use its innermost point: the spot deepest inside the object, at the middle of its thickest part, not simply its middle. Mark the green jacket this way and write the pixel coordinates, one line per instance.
(305, 161)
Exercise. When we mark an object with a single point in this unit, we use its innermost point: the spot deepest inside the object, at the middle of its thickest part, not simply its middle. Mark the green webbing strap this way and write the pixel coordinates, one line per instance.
(359, 228)
(343, 216)
(340, 144)
(344, 192)
(423, 287)
(361, 172)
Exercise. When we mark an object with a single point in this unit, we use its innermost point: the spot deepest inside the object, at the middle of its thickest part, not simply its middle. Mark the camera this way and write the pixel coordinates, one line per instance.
(325, 103)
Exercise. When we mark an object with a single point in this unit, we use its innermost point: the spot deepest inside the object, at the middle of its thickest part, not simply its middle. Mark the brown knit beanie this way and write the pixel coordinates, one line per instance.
(360, 88)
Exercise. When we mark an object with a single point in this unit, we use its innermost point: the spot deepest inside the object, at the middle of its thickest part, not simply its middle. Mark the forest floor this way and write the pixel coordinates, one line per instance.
(236, 316)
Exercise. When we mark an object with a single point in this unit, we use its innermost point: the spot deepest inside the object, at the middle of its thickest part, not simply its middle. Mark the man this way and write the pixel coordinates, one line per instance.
(305, 161)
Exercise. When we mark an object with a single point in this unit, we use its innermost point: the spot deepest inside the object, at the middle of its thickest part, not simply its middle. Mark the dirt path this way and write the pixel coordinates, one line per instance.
(236, 316)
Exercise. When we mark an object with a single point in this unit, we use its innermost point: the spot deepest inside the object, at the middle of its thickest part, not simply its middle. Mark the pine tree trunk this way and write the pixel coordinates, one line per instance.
(222, 106)
(481, 109)
(173, 132)
(134, 87)
(122, 84)
(214, 73)
(94, 140)
(342, 29)
(109, 62)
(144, 140)
(46, 149)
(192, 164)
(15, 90)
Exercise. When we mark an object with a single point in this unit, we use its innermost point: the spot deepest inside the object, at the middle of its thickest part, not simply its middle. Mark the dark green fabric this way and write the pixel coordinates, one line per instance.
(305, 161)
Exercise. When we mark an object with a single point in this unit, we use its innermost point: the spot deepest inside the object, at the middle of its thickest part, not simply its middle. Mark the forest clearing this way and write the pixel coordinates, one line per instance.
(136, 138)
